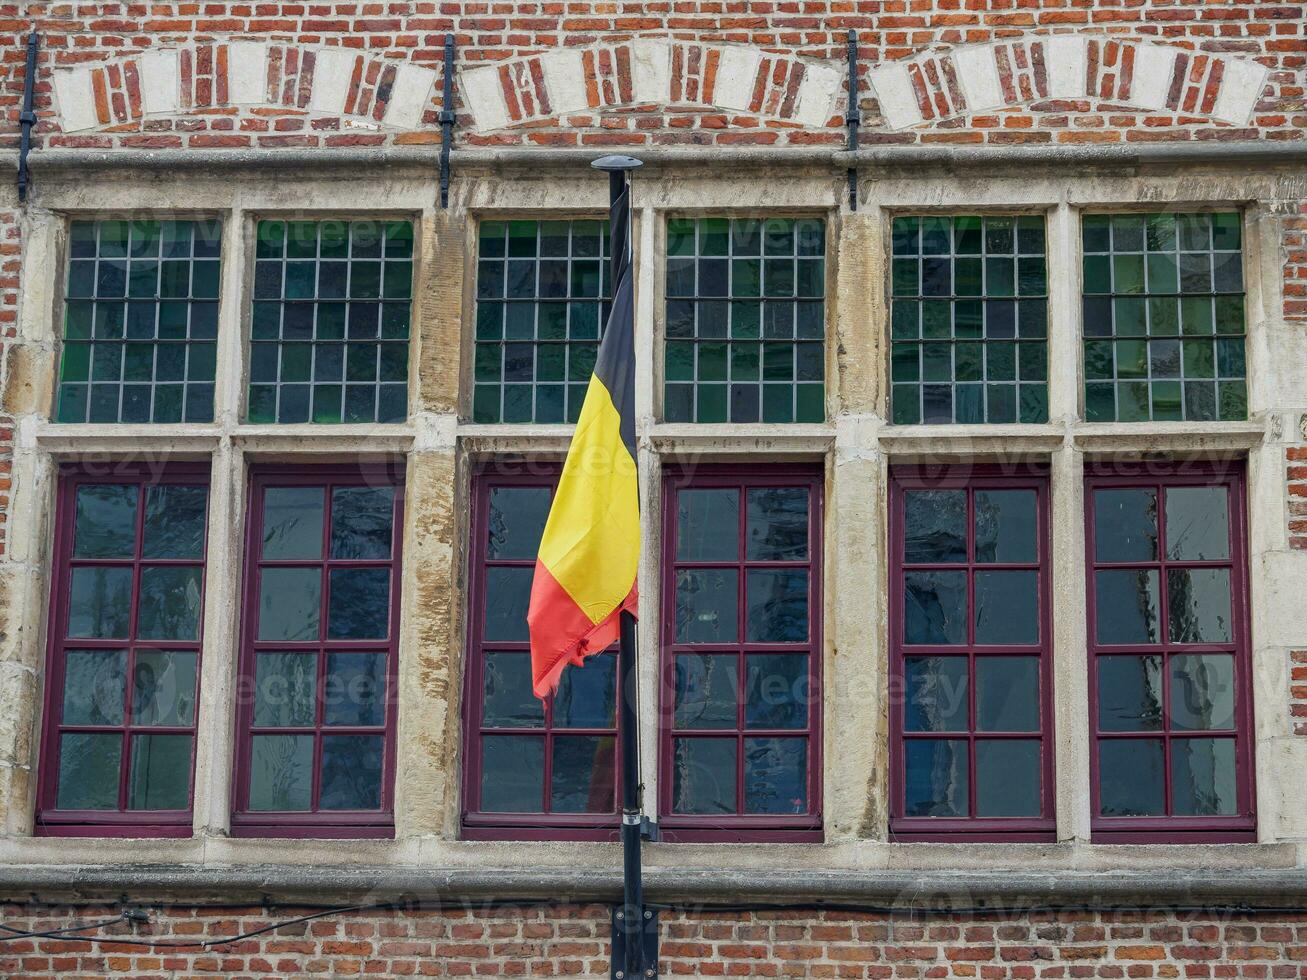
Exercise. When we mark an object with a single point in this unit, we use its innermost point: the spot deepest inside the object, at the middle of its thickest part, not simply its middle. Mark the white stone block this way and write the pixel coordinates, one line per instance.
(898, 100)
(332, 70)
(978, 75)
(483, 95)
(651, 70)
(1151, 82)
(564, 72)
(75, 99)
(247, 72)
(409, 96)
(1241, 86)
(160, 82)
(737, 72)
(1066, 58)
(817, 95)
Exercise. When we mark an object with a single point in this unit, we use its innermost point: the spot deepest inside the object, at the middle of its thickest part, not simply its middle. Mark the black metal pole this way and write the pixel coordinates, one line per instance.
(446, 120)
(852, 117)
(26, 117)
(632, 875)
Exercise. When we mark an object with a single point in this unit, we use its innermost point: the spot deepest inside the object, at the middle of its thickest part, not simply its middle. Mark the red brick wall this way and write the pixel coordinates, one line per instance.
(563, 941)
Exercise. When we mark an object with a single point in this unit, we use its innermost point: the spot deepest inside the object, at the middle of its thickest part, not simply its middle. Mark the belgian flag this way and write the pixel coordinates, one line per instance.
(586, 566)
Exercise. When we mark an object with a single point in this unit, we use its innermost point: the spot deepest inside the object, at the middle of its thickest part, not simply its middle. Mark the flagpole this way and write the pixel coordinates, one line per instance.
(635, 928)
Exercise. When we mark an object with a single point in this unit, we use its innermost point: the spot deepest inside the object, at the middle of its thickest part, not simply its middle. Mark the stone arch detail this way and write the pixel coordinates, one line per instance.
(977, 78)
(652, 71)
(368, 91)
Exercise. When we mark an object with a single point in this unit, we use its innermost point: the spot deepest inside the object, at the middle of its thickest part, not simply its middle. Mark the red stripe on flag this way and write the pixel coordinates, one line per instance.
(573, 637)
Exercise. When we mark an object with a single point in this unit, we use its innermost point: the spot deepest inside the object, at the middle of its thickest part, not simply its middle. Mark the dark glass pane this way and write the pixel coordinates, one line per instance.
(777, 610)
(163, 687)
(508, 593)
(517, 520)
(1203, 780)
(99, 605)
(584, 774)
(1008, 778)
(351, 772)
(1202, 691)
(281, 773)
(707, 525)
(1006, 522)
(935, 694)
(937, 782)
(174, 521)
(775, 775)
(94, 687)
(1131, 777)
(1125, 525)
(507, 701)
(707, 690)
(360, 604)
(292, 522)
(1130, 694)
(361, 522)
(290, 603)
(587, 695)
(703, 775)
(355, 689)
(1197, 523)
(935, 607)
(706, 604)
(89, 768)
(1007, 694)
(512, 773)
(285, 690)
(1127, 606)
(170, 603)
(777, 524)
(935, 526)
(1007, 607)
(106, 521)
(777, 690)
(1198, 600)
(161, 773)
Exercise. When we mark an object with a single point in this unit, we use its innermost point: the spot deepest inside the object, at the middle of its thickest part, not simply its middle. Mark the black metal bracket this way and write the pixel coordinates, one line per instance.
(446, 120)
(648, 939)
(649, 829)
(852, 117)
(27, 118)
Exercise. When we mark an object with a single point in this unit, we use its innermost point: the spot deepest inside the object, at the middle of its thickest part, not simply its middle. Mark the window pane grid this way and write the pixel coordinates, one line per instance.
(741, 673)
(1170, 697)
(971, 645)
(140, 321)
(317, 722)
(125, 649)
(969, 319)
(745, 320)
(543, 298)
(1164, 320)
(329, 332)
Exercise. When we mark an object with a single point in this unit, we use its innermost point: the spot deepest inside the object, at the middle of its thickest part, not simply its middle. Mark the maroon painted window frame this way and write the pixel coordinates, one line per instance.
(478, 824)
(51, 821)
(1240, 827)
(970, 477)
(316, 823)
(743, 828)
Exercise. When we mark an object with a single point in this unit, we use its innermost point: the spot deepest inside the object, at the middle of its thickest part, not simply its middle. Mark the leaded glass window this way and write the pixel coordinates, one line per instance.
(1164, 317)
(140, 321)
(969, 319)
(542, 301)
(330, 322)
(745, 320)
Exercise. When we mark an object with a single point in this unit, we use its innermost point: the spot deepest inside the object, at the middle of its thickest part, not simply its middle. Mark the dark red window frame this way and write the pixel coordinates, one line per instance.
(317, 823)
(51, 821)
(761, 828)
(478, 824)
(1240, 827)
(970, 477)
